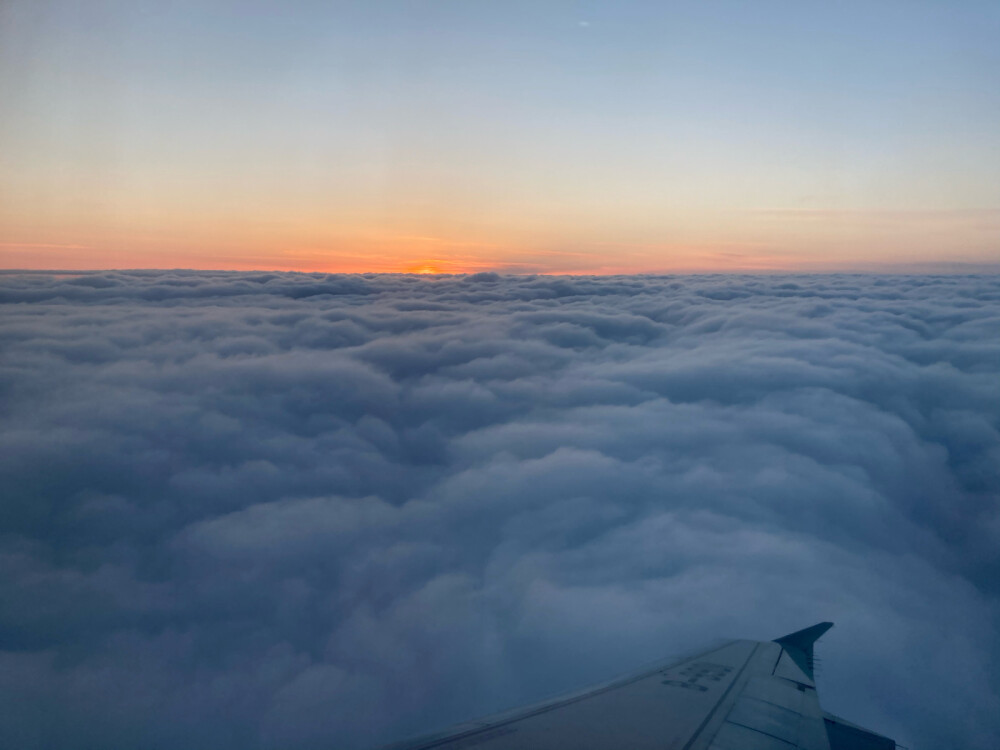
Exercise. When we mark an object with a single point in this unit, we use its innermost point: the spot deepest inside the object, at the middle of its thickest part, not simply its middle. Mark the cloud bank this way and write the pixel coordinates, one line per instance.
(272, 510)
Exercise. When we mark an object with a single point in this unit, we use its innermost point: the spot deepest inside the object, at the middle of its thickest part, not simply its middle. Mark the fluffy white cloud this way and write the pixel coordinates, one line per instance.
(289, 510)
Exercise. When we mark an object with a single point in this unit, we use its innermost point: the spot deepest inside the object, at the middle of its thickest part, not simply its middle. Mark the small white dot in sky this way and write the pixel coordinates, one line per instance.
(583, 23)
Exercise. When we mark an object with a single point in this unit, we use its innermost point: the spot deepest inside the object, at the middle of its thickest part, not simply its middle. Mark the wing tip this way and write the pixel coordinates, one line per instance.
(805, 638)
(799, 645)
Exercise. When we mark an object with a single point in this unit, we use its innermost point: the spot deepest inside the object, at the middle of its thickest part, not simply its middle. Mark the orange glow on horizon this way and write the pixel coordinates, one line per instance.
(363, 252)
(587, 261)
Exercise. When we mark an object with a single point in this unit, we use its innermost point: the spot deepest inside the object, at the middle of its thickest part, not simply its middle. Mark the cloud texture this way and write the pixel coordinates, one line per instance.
(296, 511)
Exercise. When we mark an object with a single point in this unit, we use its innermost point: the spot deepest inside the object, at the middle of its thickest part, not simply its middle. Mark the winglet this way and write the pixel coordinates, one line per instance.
(799, 645)
(805, 638)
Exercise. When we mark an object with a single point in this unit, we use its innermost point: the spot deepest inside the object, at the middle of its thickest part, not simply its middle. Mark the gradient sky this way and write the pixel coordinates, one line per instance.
(573, 137)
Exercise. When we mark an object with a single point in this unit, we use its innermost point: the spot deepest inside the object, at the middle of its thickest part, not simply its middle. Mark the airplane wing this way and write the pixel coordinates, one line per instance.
(743, 695)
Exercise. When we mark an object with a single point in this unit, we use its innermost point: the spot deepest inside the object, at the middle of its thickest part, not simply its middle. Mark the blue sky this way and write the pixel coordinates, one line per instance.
(516, 136)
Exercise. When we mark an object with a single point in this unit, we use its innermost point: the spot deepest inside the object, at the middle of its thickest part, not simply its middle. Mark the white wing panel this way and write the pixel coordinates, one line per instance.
(660, 710)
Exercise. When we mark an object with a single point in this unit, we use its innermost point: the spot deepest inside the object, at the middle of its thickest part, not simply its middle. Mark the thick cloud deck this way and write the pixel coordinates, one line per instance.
(292, 511)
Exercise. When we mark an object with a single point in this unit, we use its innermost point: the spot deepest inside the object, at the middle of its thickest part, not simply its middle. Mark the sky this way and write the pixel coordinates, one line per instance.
(519, 137)
(245, 510)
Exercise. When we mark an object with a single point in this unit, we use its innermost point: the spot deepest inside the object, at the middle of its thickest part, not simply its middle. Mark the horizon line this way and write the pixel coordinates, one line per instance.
(903, 269)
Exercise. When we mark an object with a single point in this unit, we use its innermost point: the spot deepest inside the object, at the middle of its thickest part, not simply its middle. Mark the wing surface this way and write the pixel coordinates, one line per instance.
(743, 695)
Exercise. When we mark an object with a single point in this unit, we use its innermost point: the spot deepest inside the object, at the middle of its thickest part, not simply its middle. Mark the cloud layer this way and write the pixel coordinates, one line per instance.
(296, 511)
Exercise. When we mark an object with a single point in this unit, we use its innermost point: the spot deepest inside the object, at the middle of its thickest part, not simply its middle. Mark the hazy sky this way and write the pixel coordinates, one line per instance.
(535, 136)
